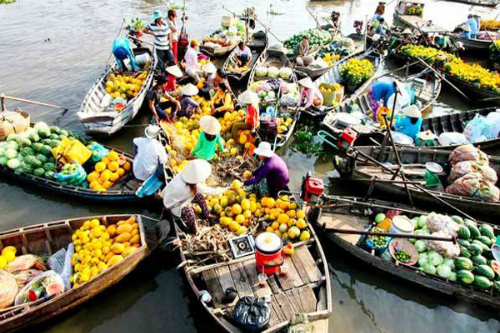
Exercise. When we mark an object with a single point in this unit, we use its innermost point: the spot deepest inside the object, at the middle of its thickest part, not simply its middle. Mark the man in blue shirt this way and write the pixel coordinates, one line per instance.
(472, 26)
(410, 122)
(122, 51)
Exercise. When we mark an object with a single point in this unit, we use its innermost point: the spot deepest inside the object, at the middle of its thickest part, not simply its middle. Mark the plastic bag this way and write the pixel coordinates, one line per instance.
(44, 285)
(252, 313)
(475, 186)
(468, 153)
(465, 167)
(25, 262)
(98, 151)
(300, 324)
(23, 277)
(446, 249)
(60, 262)
(452, 139)
(76, 178)
(8, 289)
(494, 130)
(442, 223)
(474, 129)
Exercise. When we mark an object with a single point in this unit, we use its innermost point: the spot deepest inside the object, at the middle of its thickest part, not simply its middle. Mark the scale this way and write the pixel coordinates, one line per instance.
(242, 246)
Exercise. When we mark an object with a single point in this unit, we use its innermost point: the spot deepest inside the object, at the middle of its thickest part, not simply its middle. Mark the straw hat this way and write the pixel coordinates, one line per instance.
(407, 32)
(307, 82)
(264, 149)
(157, 14)
(174, 70)
(196, 171)
(412, 111)
(210, 125)
(441, 56)
(400, 85)
(152, 131)
(426, 135)
(248, 97)
(376, 38)
(190, 90)
(209, 68)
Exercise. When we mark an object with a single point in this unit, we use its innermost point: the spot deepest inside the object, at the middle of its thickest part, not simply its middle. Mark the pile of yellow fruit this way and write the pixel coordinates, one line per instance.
(108, 171)
(474, 74)
(236, 68)
(98, 247)
(331, 58)
(284, 124)
(8, 255)
(124, 85)
(336, 86)
(492, 25)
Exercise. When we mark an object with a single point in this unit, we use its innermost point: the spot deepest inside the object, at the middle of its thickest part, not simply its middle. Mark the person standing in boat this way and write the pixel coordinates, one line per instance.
(382, 92)
(472, 24)
(301, 51)
(192, 65)
(310, 94)
(188, 188)
(410, 122)
(251, 102)
(209, 139)
(477, 18)
(163, 40)
(153, 98)
(273, 169)
(243, 55)
(150, 154)
(171, 16)
(122, 50)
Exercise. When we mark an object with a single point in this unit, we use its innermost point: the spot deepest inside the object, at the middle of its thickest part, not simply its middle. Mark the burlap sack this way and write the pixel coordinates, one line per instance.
(13, 122)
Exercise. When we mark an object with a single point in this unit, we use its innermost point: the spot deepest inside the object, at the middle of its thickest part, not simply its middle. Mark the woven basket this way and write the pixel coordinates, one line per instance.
(13, 122)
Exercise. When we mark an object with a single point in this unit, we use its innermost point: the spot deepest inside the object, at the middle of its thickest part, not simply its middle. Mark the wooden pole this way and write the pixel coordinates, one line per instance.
(387, 234)
(3, 97)
(119, 33)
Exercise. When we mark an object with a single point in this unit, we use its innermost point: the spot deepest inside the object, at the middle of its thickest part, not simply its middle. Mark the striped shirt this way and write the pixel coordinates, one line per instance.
(161, 35)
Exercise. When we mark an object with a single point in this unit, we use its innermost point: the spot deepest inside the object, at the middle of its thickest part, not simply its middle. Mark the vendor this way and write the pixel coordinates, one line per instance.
(310, 93)
(381, 92)
(150, 153)
(163, 40)
(188, 104)
(301, 53)
(471, 22)
(122, 50)
(335, 17)
(209, 71)
(243, 55)
(192, 65)
(477, 18)
(410, 122)
(173, 73)
(251, 102)
(171, 16)
(381, 27)
(273, 169)
(222, 101)
(406, 38)
(186, 188)
(153, 98)
(209, 139)
(379, 11)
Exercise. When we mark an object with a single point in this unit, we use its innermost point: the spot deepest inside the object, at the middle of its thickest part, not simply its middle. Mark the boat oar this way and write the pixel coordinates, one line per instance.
(119, 33)
(3, 97)
(387, 234)
(314, 17)
(443, 78)
(141, 41)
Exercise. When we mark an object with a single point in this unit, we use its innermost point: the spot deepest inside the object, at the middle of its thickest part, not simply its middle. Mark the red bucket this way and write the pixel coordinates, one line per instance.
(268, 253)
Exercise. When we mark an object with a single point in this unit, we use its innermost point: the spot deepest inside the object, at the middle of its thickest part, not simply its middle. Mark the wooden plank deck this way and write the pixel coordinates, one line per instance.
(340, 221)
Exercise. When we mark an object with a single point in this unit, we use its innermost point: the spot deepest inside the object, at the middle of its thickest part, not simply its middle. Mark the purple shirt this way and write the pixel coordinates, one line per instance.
(274, 170)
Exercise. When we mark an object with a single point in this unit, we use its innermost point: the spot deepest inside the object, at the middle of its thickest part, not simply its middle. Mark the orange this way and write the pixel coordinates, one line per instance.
(93, 176)
(107, 184)
(94, 184)
(270, 202)
(113, 166)
(113, 156)
(114, 177)
(100, 167)
(127, 166)
(120, 172)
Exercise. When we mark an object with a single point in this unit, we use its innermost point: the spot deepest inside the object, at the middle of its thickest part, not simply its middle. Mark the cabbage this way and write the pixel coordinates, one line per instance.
(14, 163)
(2, 151)
(12, 137)
(429, 269)
(444, 271)
(3, 161)
(10, 153)
(261, 71)
(435, 258)
(453, 277)
(422, 221)
(422, 261)
(273, 72)
(421, 232)
(450, 263)
(420, 245)
(262, 94)
(12, 145)
(285, 73)
(41, 126)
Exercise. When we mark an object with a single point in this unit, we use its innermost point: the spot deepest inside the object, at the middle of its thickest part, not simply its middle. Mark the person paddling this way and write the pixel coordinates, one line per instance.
(150, 154)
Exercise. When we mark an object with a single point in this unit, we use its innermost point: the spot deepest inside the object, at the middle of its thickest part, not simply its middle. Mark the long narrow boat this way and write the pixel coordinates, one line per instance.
(333, 76)
(349, 215)
(46, 239)
(215, 52)
(304, 289)
(415, 160)
(427, 91)
(257, 44)
(484, 3)
(94, 115)
(473, 45)
(271, 57)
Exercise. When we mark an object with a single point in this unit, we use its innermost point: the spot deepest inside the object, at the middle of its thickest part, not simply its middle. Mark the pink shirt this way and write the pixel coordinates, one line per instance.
(191, 59)
(310, 94)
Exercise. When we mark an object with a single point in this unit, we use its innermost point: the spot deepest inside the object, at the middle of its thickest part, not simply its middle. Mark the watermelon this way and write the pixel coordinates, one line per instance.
(37, 146)
(34, 137)
(463, 242)
(465, 276)
(64, 133)
(27, 151)
(464, 252)
(55, 143)
(464, 233)
(474, 231)
(485, 240)
(457, 219)
(462, 263)
(468, 222)
(49, 174)
(42, 158)
(46, 150)
(54, 136)
(4, 160)
(33, 161)
(475, 249)
(485, 247)
(12, 137)
(479, 260)
(49, 166)
(27, 168)
(482, 283)
(39, 172)
(55, 129)
(485, 271)
(24, 142)
(487, 230)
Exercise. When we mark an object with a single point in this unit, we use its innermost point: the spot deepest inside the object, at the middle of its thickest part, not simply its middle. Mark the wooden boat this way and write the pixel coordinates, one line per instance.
(95, 117)
(333, 76)
(123, 191)
(217, 52)
(352, 218)
(415, 159)
(271, 57)
(484, 3)
(258, 44)
(304, 289)
(427, 91)
(46, 239)
(472, 44)
(408, 14)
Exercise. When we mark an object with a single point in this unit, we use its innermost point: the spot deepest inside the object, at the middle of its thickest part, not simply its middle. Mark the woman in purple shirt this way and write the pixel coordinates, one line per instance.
(273, 169)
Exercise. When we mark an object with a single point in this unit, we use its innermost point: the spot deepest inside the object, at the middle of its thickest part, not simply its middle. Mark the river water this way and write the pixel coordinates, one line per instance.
(53, 50)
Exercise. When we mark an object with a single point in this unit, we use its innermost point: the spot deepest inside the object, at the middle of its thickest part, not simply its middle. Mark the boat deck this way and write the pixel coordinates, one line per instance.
(347, 222)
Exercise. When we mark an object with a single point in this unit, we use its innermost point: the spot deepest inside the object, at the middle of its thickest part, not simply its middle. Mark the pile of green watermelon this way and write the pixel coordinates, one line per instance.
(475, 266)
(30, 152)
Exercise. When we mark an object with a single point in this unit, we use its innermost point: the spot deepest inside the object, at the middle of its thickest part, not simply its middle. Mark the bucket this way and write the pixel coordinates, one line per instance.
(402, 225)
(143, 59)
(268, 253)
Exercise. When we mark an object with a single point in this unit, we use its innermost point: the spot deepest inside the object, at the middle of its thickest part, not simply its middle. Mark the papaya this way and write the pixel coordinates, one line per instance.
(124, 228)
(117, 248)
(130, 220)
(111, 230)
(114, 260)
(135, 239)
(127, 244)
(122, 238)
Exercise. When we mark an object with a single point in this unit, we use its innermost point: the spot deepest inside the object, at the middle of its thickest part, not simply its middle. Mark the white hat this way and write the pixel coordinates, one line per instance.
(427, 135)
(406, 31)
(264, 149)
(412, 111)
(210, 125)
(376, 37)
(152, 131)
(248, 97)
(196, 171)
(465, 27)
(307, 82)
(209, 68)
(190, 90)
(401, 86)
(174, 70)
